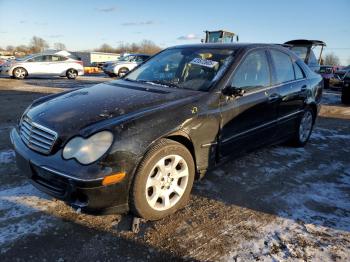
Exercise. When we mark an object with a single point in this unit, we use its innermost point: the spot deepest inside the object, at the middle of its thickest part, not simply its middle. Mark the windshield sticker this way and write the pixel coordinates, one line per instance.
(204, 62)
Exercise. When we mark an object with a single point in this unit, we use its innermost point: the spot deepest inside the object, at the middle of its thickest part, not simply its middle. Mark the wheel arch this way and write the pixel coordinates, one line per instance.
(182, 138)
(314, 109)
(19, 66)
(71, 68)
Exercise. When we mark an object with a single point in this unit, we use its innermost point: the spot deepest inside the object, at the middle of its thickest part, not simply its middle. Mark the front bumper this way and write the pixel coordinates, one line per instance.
(88, 194)
(5, 71)
(108, 70)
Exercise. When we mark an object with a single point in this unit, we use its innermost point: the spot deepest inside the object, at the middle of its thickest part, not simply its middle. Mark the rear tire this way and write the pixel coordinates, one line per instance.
(163, 181)
(19, 73)
(304, 128)
(72, 73)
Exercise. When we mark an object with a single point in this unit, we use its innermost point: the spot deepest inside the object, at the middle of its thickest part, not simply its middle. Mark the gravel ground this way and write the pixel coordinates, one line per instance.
(274, 204)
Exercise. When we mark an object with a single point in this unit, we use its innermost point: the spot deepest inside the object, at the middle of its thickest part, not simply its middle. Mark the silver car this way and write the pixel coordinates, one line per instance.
(43, 64)
(124, 64)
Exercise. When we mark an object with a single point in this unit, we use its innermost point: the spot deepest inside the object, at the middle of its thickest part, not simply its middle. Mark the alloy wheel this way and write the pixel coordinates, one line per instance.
(72, 73)
(167, 182)
(20, 73)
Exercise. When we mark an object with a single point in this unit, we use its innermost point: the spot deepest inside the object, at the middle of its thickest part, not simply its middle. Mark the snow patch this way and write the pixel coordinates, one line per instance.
(7, 156)
(21, 210)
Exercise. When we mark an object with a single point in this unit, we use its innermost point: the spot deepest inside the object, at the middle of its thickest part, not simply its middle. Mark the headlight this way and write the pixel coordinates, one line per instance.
(88, 150)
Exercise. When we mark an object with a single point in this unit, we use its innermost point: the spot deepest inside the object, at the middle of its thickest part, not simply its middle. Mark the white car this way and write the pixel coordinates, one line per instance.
(53, 64)
(124, 64)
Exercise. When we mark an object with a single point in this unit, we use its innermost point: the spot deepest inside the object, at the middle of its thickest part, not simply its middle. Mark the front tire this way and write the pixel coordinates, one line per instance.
(304, 130)
(163, 181)
(72, 73)
(123, 71)
(19, 73)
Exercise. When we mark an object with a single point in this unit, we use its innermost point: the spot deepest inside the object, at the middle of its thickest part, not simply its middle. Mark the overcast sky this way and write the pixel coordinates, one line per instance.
(87, 24)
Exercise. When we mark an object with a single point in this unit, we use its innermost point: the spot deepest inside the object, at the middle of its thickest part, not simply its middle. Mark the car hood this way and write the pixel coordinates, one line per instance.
(9, 63)
(71, 112)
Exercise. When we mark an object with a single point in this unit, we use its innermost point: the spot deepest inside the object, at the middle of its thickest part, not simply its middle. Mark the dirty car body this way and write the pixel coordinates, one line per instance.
(207, 120)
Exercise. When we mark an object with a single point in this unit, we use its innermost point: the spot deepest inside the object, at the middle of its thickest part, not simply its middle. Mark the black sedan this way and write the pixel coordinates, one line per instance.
(345, 88)
(138, 143)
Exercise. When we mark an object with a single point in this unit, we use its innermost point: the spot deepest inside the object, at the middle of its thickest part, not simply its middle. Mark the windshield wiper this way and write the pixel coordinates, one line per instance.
(161, 83)
(153, 82)
(130, 80)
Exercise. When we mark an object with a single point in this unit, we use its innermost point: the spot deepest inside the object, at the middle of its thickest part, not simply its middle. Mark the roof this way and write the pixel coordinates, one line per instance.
(305, 42)
(225, 45)
(95, 52)
(56, 52)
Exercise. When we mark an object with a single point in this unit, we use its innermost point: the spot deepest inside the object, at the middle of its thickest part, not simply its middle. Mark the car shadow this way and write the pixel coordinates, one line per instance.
(301, 184)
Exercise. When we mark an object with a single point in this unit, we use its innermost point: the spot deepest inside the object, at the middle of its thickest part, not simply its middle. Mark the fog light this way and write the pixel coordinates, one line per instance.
(113, 179)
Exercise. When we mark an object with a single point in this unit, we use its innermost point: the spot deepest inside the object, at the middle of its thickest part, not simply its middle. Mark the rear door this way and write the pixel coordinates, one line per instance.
(58, 65)
(248, 121)
(292, 85)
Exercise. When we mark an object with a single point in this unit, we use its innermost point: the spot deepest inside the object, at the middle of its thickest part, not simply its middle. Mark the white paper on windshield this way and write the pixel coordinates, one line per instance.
(204, 62)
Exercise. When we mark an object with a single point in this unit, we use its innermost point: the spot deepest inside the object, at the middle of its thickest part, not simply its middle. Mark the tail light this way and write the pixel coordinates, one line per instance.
(80, 62)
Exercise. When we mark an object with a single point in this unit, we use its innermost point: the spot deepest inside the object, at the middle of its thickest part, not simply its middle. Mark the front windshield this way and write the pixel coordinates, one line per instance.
(125, 58)
(188, 68)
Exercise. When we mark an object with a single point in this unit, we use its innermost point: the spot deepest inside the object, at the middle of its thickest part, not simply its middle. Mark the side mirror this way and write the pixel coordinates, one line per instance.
(233, 91)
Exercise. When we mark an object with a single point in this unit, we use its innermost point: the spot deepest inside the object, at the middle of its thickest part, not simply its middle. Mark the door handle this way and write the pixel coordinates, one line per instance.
(303, 88)
(274, 97)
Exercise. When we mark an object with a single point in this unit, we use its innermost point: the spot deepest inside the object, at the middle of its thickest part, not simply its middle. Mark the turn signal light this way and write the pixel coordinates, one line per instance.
(113, 179)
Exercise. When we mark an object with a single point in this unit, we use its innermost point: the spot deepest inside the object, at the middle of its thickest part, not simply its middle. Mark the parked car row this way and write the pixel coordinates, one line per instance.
(327, 72)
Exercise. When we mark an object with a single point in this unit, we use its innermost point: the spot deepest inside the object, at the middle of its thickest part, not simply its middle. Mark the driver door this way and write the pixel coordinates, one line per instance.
(249, 120)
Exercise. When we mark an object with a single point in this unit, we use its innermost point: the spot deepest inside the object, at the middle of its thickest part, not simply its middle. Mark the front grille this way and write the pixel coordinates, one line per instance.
(37, 137)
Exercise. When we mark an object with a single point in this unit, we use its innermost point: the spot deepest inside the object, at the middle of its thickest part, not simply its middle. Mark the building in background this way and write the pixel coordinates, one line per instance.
(96, 58)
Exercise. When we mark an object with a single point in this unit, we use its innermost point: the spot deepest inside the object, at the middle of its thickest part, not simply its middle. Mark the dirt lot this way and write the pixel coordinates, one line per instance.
(277, 203)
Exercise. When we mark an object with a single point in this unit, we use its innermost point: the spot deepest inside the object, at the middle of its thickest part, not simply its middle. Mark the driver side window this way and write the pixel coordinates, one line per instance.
(253, 72)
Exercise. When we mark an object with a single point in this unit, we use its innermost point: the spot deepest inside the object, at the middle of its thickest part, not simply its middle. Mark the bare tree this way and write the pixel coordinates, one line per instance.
(105, 48)
(331, 59)
(38, 44)
(149, 47)
(146, 46)
(10, 48)
(59, 46)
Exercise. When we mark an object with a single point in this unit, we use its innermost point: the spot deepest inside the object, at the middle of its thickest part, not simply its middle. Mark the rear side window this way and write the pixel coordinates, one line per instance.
(56, 58)
(253, 72)
(283, 66)
(299, 73)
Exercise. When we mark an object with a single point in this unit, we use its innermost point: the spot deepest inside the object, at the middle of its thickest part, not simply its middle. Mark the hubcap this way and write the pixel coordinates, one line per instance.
(20, 73)
(167, 182)
(123, 72)
(72, 73)
(305, 126)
